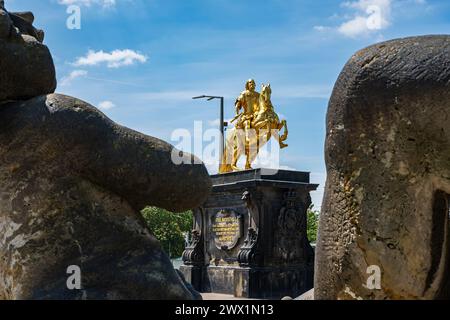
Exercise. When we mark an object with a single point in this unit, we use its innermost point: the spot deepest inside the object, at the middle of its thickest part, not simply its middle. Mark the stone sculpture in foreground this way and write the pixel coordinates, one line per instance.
(26, 65)
(388, 188)
(72, 183)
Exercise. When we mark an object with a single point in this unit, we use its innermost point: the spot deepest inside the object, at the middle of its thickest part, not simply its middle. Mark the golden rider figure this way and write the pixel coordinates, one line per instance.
(256, 123)
(247, 101)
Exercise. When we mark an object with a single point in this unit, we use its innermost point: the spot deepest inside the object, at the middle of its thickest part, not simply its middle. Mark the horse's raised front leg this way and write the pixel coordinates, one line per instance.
(283, 124)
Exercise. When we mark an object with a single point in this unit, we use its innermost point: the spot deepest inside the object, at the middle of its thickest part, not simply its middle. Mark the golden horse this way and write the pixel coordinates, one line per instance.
(265, 125)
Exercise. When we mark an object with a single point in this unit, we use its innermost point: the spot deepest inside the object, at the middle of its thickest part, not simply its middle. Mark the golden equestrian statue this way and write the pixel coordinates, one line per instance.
(256, 122)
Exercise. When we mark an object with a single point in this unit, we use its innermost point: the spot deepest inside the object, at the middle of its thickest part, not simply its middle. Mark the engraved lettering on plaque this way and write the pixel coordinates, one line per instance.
(227, 229)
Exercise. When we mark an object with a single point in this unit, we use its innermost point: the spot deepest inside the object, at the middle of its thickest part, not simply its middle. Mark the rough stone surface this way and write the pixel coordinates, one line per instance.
(5, 24)
(195, 294)
(388, 163)
(72, 183)
(26, 65)
(23, 23)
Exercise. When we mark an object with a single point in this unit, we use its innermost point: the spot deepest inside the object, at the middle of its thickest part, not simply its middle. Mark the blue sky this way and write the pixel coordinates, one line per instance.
(141, 61)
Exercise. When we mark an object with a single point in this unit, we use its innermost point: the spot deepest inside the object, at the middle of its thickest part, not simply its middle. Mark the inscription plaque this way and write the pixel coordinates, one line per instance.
(227, 229)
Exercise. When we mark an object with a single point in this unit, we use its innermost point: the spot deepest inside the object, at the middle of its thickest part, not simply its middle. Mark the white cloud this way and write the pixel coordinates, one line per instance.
(67, 80)
(106, 105)
(114, 59)
(88, 3)
(355, 27)
(370, 16)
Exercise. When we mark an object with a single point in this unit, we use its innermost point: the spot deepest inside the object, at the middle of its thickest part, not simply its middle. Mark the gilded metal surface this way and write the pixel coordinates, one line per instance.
(256, 122)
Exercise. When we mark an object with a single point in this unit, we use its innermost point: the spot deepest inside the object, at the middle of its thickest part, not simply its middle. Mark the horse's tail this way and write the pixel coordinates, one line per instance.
(225, 162)
(225, 167)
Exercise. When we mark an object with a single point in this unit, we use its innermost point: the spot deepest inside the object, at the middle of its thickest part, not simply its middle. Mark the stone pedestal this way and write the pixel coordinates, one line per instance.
(249, 237)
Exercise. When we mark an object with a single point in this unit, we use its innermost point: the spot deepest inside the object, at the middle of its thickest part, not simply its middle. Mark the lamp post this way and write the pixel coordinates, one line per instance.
(222, 122)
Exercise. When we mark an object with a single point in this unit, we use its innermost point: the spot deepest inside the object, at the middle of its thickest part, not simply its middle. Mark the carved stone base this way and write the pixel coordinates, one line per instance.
(193, 275)
(250, 237)
(219, 279)
(276, 283)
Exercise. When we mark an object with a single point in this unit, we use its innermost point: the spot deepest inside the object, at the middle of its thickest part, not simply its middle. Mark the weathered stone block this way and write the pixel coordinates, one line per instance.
(72, 183)
(388, 185)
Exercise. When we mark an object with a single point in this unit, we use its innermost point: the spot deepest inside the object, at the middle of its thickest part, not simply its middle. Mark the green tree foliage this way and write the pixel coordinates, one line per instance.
(313, 224)
(169, 228)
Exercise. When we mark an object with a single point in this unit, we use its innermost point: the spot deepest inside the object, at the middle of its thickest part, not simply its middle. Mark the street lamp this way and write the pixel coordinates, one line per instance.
(222, 122)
